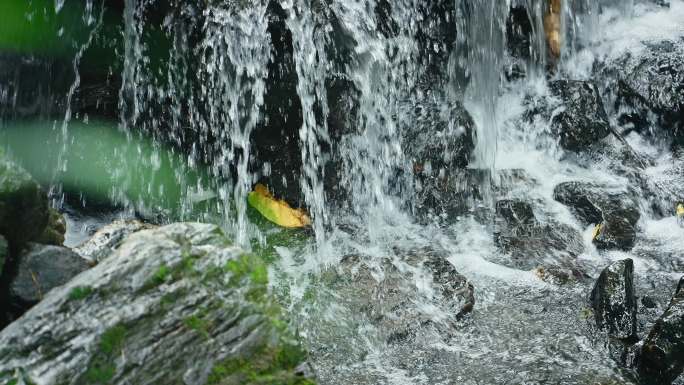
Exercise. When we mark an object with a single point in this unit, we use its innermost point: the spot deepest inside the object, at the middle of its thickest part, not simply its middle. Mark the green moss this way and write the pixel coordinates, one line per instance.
(267, 366)
(197, 323)
(112, 340)
(161, 274)
(100, 373)
(102, 369)
(80, 292)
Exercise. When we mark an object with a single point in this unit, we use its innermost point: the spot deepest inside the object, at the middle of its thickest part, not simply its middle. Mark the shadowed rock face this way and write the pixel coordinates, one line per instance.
(614, 302)
(42, 268)
(661, 359)
(583, 120)
(616, 211)
(177, 304)
(650, 85)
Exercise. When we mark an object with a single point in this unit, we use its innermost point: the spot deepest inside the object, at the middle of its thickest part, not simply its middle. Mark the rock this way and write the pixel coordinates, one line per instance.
(440, 139)
(108, 238)
(41, 269)
(615, 210)
(615, 233)
(385, 292)
(661, 359)
(4, 252)
(648, 83)
(530, 243)
(614, 302)
(23, 205)
(177, 304)
(582, 120)
(55, 230)
(519, 33)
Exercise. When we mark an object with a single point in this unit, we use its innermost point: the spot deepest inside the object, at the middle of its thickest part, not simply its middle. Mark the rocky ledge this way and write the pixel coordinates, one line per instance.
(173, 305)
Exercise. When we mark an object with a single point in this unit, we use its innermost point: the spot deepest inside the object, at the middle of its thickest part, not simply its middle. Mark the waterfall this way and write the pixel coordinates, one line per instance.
(309, 42)
(482, 47)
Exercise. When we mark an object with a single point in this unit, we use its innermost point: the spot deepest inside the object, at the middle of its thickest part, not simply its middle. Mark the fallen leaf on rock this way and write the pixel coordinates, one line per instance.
(276, 211)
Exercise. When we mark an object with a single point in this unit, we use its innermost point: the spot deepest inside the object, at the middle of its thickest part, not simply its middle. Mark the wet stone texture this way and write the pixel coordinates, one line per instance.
(649, 88)
(614, 301)
(582, 121)
(42, 268)
(172, 305)
(386, 292)
(616, 210)
(661, 359)
(532, 244)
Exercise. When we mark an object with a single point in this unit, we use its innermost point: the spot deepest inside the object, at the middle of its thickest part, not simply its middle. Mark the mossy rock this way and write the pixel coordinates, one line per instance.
(23, 205)
(55, 230)
(173, 305)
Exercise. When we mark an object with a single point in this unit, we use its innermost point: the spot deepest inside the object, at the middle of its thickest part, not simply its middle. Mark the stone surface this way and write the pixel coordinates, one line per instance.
(23, 205)
(592, 203)
(441, 139)
(661, 359)
(41, 269)
(582, 120)
(531, 243)
(614, 302)
(385, 292)
(648, 84)
(172, 305)
(616, 210)
(108, 238)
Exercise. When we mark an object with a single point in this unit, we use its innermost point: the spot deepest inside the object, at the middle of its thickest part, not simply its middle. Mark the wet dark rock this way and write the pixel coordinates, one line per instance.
(614, 302)
(177, 304)
(385, 291)
(4, 252)
(649, 302)
(109, 238)
(519, 32)
(55, 230)
(661, 359)
(531, 243)
(41, 269)
(593, 203)
(23, 205)
(582, 120)
(617, 211)
(615, 233)
(440, 139)
(557, 275)
(650, 83)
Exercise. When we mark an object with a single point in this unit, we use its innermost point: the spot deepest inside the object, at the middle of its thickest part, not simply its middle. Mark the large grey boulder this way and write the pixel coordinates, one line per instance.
(173, 305)
(23, 205)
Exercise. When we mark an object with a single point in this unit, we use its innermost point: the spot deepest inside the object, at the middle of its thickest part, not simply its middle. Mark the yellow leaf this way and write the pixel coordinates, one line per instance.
(597, 231)
(276, 211)
(680, 210)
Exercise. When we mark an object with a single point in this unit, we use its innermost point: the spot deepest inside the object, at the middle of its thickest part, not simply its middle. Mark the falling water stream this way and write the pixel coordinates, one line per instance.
(199, 105)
